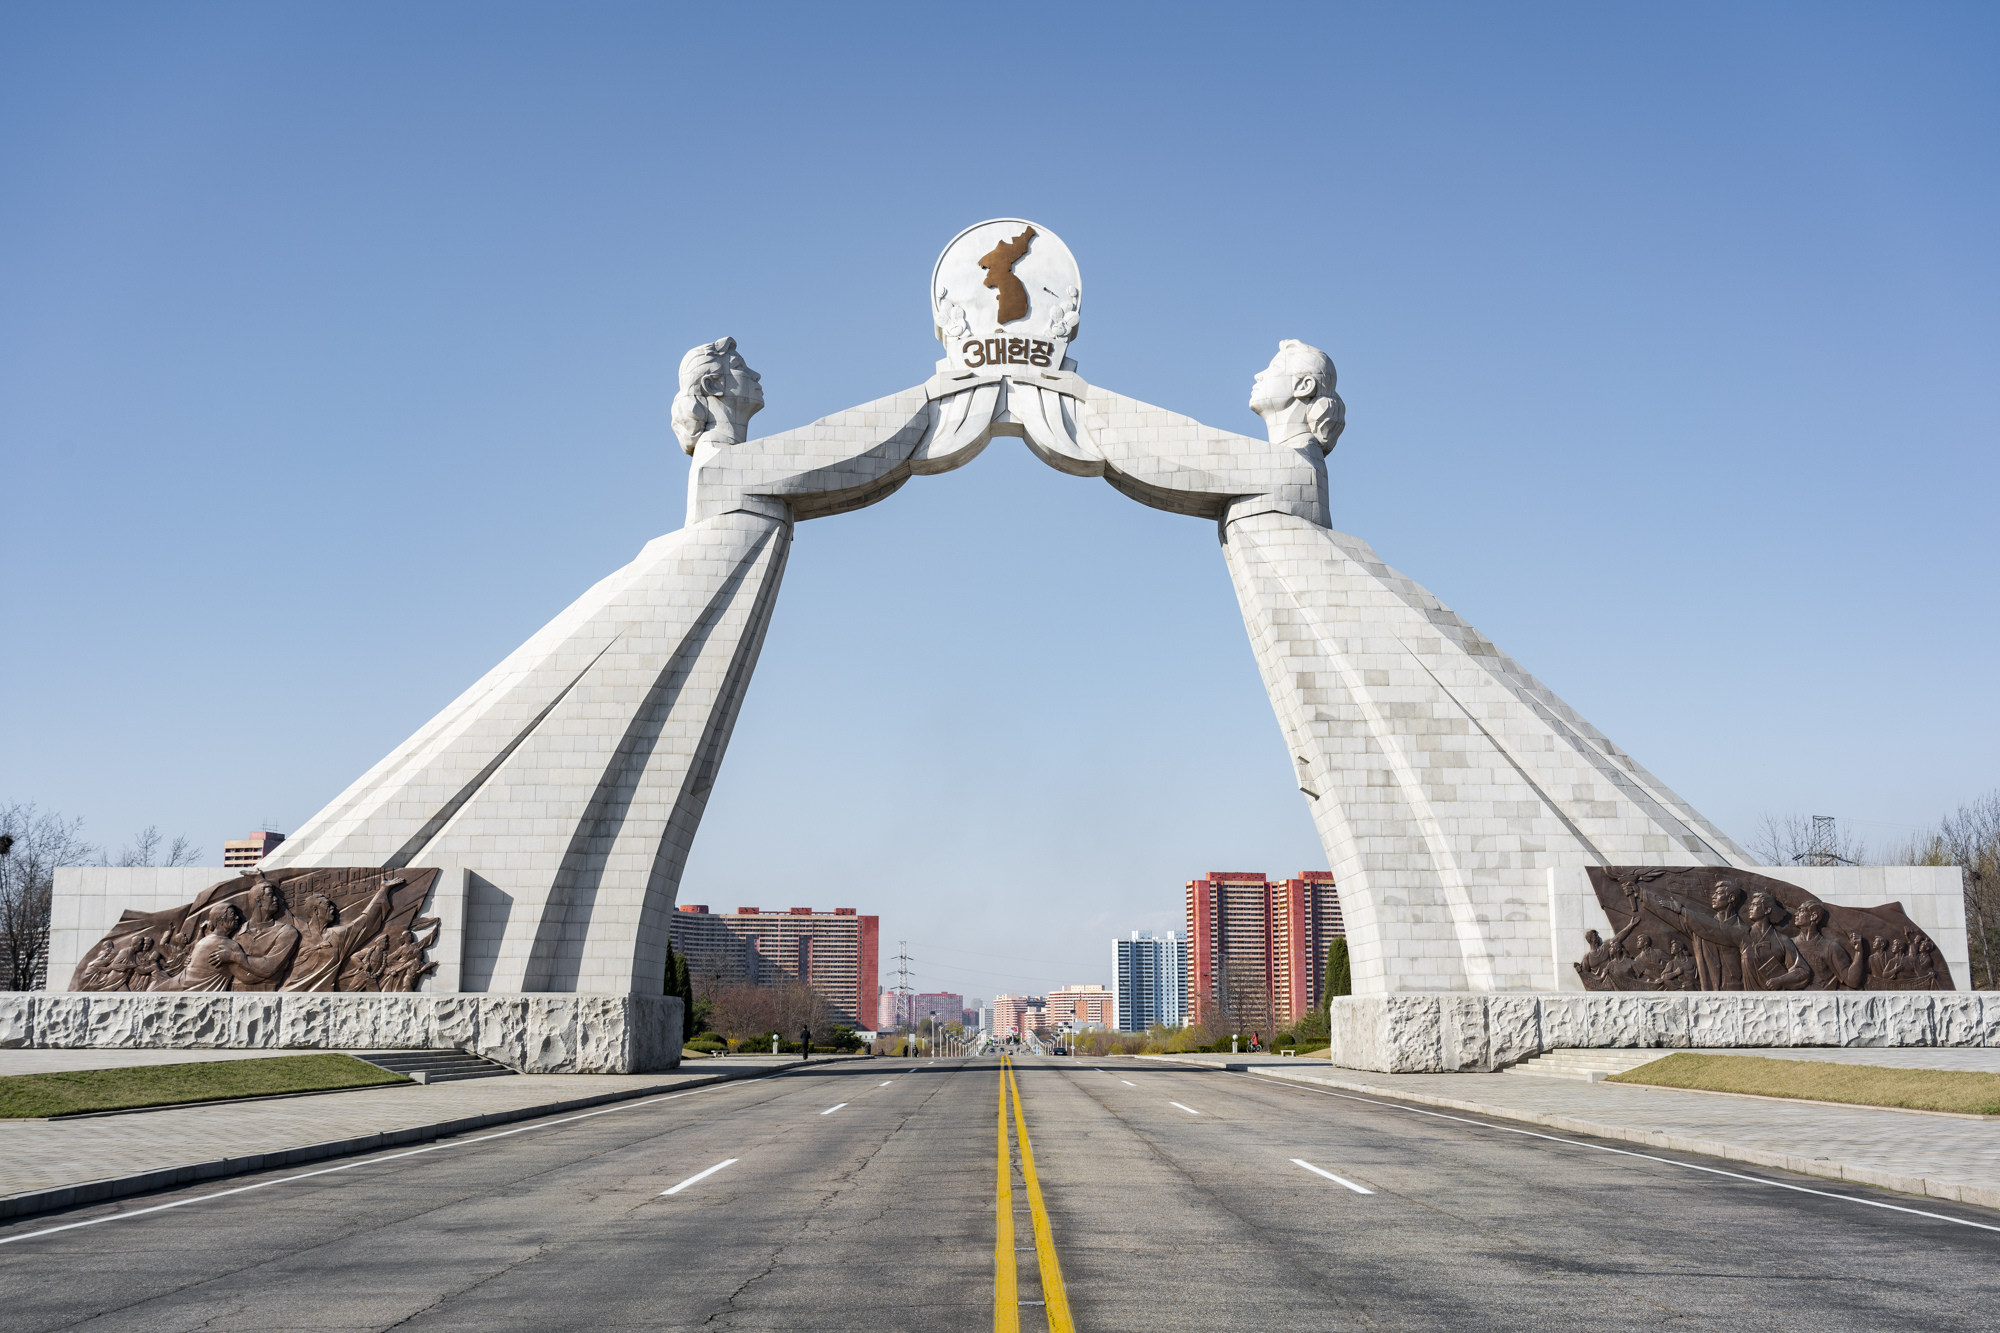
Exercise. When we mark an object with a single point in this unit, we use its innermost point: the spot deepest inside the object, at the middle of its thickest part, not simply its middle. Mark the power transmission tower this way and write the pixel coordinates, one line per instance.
(902, 990)
(1824, 847)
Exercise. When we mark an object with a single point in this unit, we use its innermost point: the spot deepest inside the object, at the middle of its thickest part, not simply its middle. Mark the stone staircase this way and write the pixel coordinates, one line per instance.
(1592, 1066)
(434, 1066)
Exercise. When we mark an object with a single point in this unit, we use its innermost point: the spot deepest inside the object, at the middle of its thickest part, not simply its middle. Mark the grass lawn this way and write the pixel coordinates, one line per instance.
(166, 1085)
(1825, 1081)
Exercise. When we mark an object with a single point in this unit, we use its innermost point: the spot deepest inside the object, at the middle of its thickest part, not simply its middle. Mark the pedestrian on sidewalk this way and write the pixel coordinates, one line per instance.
(805, 1044)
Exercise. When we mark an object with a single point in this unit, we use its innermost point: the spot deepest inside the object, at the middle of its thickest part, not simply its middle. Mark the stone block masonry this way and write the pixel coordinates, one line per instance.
(535, 1034)
(1468, 1032)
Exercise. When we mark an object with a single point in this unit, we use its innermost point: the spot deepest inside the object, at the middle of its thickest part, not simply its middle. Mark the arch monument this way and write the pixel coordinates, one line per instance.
(1476, 826)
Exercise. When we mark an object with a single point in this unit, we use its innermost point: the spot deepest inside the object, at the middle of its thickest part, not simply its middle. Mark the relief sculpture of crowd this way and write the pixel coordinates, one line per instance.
(312, 930)
(1699, 928)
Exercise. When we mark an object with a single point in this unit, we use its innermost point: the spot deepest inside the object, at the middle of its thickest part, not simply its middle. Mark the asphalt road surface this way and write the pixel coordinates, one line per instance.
(870, 1195)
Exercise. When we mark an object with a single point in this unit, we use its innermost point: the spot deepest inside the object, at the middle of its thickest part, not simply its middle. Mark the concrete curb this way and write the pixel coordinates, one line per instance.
(1982, 1195)
(117, 1187)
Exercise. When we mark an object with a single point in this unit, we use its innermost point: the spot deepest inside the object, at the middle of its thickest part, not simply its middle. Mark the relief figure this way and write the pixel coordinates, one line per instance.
(1835, 965)
(217, 961)
(267, 936)
(327, 941)
(1766, 958)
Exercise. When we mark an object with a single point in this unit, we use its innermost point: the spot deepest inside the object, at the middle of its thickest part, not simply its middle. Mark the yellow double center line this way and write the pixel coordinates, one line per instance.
(1006, 1285)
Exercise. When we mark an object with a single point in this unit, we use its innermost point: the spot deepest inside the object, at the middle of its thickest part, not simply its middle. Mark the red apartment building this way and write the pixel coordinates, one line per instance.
(1257, 946)
(833, 952)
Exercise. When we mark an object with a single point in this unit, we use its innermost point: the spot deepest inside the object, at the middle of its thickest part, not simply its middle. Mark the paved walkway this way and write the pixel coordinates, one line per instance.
(1945, 1157)
(56, 1163)
(24, 1060)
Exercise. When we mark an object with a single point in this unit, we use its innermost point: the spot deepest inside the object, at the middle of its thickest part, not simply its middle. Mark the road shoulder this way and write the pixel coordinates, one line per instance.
(1936, 1157)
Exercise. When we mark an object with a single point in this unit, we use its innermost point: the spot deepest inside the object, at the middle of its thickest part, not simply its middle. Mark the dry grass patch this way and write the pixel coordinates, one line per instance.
(29, 1095)
(1825, 1081)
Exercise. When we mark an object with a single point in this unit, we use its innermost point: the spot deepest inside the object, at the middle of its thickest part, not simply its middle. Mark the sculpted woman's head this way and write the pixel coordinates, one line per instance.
(718, 395)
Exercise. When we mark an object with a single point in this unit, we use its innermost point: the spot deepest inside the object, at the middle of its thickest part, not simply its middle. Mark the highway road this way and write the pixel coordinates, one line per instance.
(881, 1195)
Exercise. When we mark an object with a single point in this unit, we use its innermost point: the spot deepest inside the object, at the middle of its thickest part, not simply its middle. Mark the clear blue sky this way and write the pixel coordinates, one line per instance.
(337, 343)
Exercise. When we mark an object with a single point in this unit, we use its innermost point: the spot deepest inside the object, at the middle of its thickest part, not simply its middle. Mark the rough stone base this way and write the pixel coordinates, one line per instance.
(536, 1034)
(1428, 1034)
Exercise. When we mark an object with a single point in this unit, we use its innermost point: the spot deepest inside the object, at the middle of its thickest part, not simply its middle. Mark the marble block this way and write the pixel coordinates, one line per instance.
(1463, 1031)
(538, 1034)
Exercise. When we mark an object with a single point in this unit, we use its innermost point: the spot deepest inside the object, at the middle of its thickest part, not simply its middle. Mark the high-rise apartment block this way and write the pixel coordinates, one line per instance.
(833, 952)
(1149, 981)
(249, 851)
(1079, 1007)
(1257, 947)
(1018, 1015)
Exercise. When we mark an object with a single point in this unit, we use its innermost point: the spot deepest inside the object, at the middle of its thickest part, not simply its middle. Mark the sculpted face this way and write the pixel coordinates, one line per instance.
(1812, 915)
(1757, 908)
(223, 919)
(1725, 897)
(1281, 384)
(263, 902)
(735, 383)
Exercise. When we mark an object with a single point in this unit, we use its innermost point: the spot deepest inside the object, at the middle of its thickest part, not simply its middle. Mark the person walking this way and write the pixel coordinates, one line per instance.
(805, 1044)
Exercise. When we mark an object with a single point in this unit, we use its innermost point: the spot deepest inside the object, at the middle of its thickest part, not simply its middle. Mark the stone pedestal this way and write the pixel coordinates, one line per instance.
(1453, 1032)
(533, 1033)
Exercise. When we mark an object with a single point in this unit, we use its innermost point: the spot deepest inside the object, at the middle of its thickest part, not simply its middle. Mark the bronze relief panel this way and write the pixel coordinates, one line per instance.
(1700, 928)
(285, 930)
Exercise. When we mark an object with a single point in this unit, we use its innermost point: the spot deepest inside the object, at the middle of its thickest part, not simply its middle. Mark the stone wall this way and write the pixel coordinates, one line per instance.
(1414, 1034)
(535, 1034)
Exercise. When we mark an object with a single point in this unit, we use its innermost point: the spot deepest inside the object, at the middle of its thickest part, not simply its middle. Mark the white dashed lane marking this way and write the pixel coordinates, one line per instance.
(700, 1175)
(1338, 1180)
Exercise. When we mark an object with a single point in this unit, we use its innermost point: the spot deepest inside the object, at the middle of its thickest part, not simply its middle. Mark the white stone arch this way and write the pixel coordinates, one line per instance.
(1445, 781)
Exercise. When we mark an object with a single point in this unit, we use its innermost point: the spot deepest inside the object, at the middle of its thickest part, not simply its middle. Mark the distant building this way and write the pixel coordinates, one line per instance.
(249, 851)
(833, 952)
(1256, 947)
(947, 1006)
(1149, 981)
(1079, 1007)
(1011, 1014)
(969, 1018)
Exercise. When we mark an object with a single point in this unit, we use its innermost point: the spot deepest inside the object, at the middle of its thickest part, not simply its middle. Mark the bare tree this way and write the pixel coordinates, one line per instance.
(1970, 840)
(1243, 999)
(144, 850)
(741, 1009)
(1972, 837)
(39, 843)
(1816, 840)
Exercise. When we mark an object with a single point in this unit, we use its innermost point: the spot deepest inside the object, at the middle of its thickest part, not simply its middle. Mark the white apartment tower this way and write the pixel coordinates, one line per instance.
(1149, 980)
